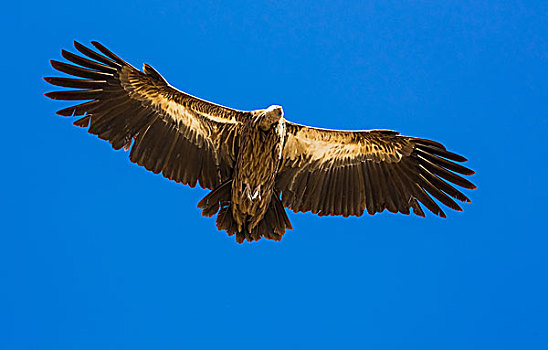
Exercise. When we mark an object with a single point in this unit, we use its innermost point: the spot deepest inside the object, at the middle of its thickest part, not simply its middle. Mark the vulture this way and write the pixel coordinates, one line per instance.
(254, 162)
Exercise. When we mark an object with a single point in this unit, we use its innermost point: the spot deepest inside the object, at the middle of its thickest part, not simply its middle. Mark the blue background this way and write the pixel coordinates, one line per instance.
(97, 253)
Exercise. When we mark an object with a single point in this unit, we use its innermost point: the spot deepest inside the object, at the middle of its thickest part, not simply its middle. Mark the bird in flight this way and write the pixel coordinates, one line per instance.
(254, 162)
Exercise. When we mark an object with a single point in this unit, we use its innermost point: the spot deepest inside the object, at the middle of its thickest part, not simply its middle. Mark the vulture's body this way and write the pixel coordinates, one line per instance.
(254, 162)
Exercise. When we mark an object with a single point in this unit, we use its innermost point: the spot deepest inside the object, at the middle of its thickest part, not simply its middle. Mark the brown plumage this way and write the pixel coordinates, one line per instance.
(254, 162)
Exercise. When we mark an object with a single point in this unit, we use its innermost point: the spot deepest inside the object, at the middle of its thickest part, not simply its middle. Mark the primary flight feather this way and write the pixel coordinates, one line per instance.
(254, 162)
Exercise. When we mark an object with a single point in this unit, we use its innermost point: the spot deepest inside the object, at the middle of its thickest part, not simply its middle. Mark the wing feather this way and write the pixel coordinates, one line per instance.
(187, 139)
(373, 170)
(84, 62)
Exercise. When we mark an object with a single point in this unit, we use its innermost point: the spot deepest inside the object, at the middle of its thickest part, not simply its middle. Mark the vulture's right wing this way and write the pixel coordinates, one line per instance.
(183, 137)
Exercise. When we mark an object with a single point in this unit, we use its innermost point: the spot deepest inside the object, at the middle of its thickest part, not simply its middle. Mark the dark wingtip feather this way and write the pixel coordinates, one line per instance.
(440, 150)
(455, 157)
(75, 83)
(467, 171)
(65, 53)
(444, 163)
(79, 71)
(96, 56)
(71, 95)
(51, 94)
(54, 64)
(79, 46)
(430, 142)
(66, 112)
(107, 52)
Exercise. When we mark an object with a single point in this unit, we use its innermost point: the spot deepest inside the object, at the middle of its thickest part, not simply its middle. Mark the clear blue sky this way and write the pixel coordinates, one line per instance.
(97, 253)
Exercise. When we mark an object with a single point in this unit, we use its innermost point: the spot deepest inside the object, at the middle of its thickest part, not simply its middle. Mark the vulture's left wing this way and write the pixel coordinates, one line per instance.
(331, 172)
(187, 139)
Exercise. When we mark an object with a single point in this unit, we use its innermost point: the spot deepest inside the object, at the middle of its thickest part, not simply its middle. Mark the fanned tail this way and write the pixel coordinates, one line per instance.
(272, 226)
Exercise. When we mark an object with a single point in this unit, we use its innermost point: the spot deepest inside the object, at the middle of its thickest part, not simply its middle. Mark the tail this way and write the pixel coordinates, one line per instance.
(272, 226)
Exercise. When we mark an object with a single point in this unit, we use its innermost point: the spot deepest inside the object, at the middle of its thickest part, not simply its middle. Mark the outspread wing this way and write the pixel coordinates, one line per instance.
(332, 172)
(187, 139)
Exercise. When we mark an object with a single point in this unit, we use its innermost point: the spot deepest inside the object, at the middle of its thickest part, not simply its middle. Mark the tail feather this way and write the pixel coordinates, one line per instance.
(226, 222)
(210, 204)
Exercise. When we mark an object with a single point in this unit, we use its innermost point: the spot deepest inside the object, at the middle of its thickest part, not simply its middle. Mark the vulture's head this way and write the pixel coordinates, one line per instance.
(269, 117)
